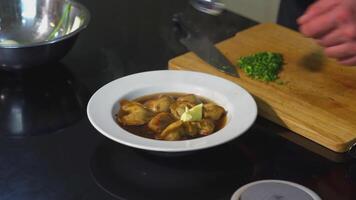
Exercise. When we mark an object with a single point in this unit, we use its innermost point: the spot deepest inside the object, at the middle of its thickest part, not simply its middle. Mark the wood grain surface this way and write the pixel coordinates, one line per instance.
(318, 96)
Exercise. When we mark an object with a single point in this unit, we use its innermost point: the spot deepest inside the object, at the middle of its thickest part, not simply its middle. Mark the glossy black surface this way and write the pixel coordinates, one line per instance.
(61, 156)
(41, 100)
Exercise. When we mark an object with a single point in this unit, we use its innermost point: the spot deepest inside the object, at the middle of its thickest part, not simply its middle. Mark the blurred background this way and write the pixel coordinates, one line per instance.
(257, 10)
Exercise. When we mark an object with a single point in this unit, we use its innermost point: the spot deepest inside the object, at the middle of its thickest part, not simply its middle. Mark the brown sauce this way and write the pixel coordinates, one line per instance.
(144, 131)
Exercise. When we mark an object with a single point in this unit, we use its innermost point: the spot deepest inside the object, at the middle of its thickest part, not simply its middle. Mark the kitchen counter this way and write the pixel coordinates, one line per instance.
(49, 150)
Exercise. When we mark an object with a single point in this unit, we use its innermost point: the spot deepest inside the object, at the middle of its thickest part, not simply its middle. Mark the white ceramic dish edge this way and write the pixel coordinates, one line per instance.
(198, 83)
(237, 194)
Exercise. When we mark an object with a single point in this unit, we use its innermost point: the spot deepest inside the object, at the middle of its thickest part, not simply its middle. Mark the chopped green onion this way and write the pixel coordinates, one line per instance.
(63, 20)
(263, 66)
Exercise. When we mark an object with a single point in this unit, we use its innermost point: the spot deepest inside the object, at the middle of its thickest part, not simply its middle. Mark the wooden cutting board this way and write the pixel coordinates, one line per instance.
(318, 97)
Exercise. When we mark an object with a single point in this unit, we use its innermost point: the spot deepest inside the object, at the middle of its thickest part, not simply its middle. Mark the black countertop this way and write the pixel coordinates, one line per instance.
(49, 150)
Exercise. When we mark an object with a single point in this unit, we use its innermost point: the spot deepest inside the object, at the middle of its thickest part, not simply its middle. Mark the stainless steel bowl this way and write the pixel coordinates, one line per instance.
(36, 32)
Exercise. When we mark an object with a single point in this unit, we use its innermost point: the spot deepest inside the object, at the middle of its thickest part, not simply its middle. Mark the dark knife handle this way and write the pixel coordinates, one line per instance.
(179, 28)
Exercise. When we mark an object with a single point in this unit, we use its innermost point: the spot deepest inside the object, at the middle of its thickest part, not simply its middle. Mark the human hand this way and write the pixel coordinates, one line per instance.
(333, 24)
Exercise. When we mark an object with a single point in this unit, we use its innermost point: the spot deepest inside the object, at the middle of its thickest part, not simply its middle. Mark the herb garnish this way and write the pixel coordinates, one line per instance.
(262, 66)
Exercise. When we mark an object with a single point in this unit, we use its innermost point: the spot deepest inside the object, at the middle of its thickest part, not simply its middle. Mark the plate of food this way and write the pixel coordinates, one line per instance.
(171, 111)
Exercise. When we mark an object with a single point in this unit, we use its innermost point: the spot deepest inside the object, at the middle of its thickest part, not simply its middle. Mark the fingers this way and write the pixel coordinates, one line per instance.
(349, 30)
(346, 19)
(335, 37)
(339, 46)
(345, 53)
(319, 26)
(323, 27)
(348, 61)
(341, 51)
(332, 23)
(318, 8)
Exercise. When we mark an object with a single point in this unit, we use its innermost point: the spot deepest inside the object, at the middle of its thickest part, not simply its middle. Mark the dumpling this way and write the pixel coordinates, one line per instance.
(161, 104)
(178, 108)
(174, 131)
(181, 130)
(191, 128)
(159, 122)
(206, 127)
(202, 127)
(212, 111)
(191, 98)
(134, 113)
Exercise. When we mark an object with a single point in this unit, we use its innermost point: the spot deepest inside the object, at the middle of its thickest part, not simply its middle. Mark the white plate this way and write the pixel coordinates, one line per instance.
(103, 105)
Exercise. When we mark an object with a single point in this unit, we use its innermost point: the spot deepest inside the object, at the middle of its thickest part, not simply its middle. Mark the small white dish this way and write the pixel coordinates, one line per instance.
(275, 189)
(104, 104)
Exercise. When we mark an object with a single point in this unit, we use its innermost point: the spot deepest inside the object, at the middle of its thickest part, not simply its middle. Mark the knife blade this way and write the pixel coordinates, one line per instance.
(203, 47)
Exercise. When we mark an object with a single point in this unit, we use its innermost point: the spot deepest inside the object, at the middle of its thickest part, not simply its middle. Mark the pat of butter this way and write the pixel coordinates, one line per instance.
(193, 114)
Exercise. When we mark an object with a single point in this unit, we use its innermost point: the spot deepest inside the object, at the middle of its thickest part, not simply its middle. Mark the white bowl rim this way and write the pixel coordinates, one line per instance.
(101, 105)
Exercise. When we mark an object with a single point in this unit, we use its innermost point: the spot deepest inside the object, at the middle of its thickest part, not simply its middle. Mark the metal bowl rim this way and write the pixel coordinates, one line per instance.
(55, 40)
